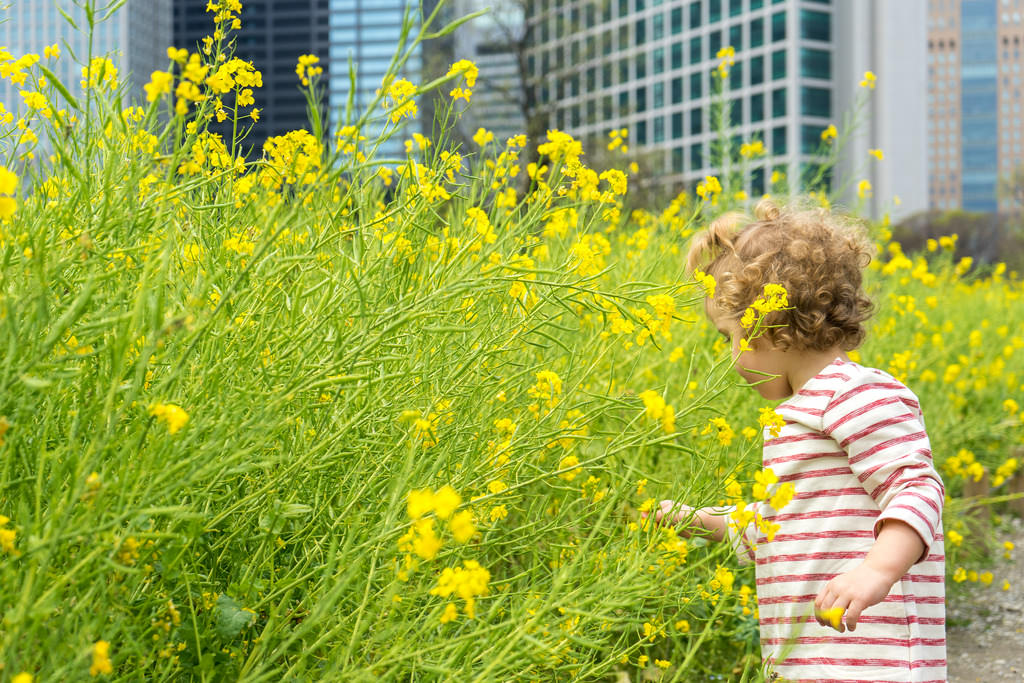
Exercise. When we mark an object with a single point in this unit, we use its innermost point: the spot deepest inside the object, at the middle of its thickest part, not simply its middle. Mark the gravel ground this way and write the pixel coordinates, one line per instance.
(985, 638)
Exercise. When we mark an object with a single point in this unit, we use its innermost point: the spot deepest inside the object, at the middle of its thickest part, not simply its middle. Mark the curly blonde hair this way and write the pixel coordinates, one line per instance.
(817, 255)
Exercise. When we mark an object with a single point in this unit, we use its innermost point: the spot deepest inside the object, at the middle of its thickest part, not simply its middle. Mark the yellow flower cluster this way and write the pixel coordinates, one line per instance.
(773, 298)
(771, 420)
(469, 70)
(8, 188)
(829, 134)
(294, 157)
(753, 149)
(709, 189)
(706, 281)
(727, 58)
(226, 11)
(171, 414)
(306, 70)
(101, 659)
(421, 540)
(469, 582)
(561, 147)
(657, 409)
(401, 103)
(546, 391)
(618, 140)
(100, 72)
(720, 428)
(7, 536)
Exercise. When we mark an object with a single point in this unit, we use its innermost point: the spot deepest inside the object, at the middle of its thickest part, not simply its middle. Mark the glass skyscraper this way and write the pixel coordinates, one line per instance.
(648, 65)
(135, 37)
(368, 33)
(273, 35)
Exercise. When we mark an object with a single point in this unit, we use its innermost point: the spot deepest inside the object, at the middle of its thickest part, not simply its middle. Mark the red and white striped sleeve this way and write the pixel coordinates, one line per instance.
(878, 422)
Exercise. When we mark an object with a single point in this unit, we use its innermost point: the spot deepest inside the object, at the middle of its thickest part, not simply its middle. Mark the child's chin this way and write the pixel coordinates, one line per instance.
(773, 393)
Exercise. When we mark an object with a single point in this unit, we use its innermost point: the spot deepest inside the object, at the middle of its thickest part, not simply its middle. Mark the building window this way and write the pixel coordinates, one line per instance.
(659, 129)
(714, 44)
(815, 63)
(778, 65)
(677, 56)
(641, 99)
(757, 181)
(736, 76)
(676, 19)
(756, 4)
(659, 95)
(623, 71)
(696, 85)
(695, 48)
(695, 12)
(659, 60)
(757, 107)
(641, 31)
(735, 8)
(810, 138)
(677, 160)
(677, 125)
(816, 102)
(623, 102)
(778, 103)
(624, 37)
(756, 70)
(736, 37)
(815, 25)
(779, 146)
(677, 90)
(778, 26)
(696, 121)
(641, 132)
(714, 11)
(736, 112)
(696, 156)
(641, 65)
(658, 26)
(606, 74)
(757, 32)
(606, 107)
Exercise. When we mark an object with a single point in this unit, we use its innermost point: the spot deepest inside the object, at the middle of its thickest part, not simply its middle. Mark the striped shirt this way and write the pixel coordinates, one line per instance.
(854, 446)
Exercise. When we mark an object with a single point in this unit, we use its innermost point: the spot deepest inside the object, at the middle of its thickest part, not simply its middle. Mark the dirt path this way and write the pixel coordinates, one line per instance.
(985, 639)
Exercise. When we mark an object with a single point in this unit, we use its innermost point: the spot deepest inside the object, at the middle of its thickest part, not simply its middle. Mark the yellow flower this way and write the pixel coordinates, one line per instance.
(683, 626)
(170, 413)
(877, 153)
(868, 80)
(8, 186)
(954, 537)
(960, 575)
(23, 677)
(864, 189)
(829, 134)
(101, 659)
(707, 281)
(403, 106)
(764, 479)
(462, 526)
(772, 420)
(446, 500)
(482, 137)
(419, 503)
(450, 613)
(159, 84)
(305, 69)
(569, 461)
(752, 149)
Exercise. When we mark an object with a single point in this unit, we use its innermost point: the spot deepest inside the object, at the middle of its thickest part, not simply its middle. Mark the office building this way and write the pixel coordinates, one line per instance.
(974, 101)
(648, 65)
(135, 38)
(273, 36)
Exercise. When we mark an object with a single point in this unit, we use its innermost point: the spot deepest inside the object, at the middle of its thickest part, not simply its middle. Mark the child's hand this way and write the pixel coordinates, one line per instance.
(850, 593)
(670, 513)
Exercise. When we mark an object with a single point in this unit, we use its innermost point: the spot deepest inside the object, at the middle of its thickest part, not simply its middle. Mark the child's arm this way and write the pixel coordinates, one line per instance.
(879, 425)
(895, 551)
(710, 519)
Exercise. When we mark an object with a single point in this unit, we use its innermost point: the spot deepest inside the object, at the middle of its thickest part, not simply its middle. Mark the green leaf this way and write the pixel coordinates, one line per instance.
(231, 618)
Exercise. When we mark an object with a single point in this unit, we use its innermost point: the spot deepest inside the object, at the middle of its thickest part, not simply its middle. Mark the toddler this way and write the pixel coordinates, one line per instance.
(851, 587)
